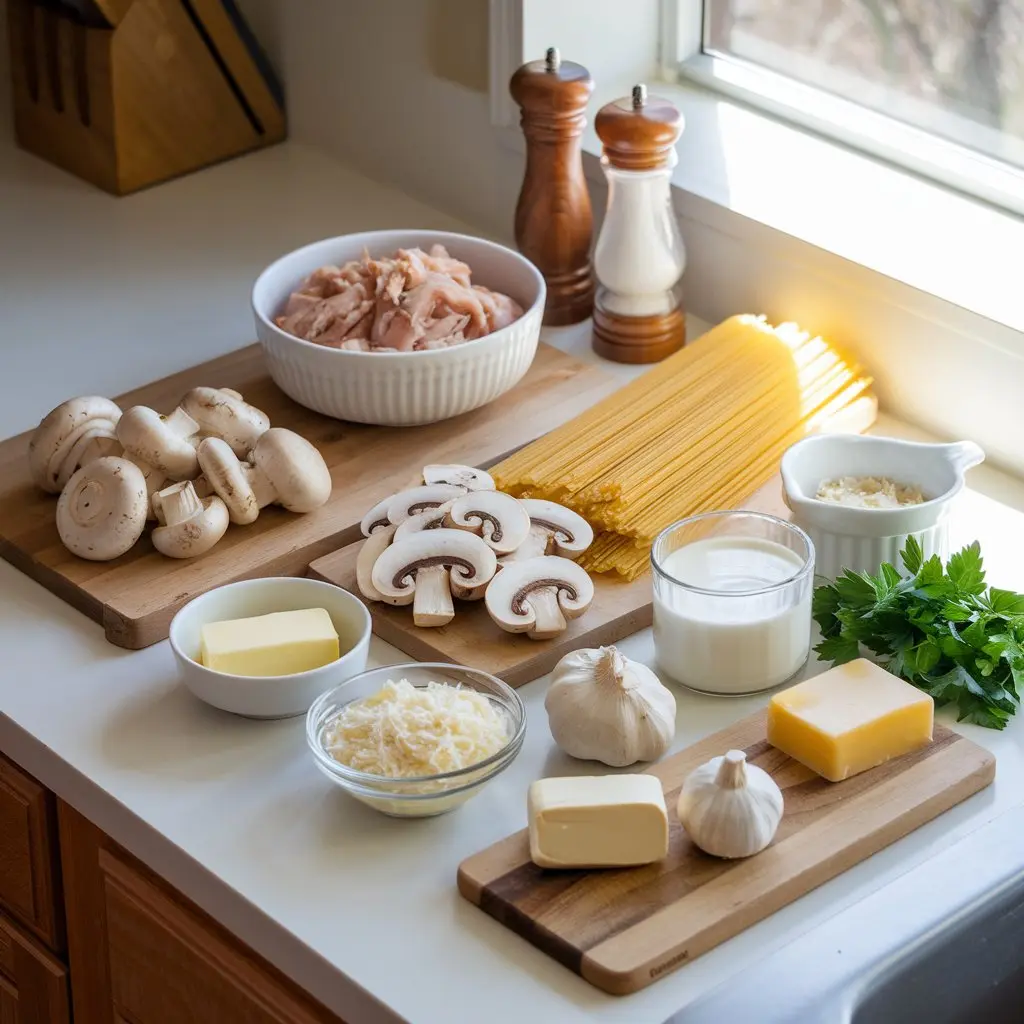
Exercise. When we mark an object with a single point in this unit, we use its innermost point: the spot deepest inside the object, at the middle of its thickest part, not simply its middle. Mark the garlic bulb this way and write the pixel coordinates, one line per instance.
(730, 808)
(604, 707)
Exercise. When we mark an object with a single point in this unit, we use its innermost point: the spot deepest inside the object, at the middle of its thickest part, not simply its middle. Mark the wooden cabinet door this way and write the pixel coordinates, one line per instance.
(33, 985)
(140, 952)
(29, 875)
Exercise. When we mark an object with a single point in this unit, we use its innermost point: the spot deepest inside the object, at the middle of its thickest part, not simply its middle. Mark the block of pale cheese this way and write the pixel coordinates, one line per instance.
(278, 644)
(853, 717)
(597, 821)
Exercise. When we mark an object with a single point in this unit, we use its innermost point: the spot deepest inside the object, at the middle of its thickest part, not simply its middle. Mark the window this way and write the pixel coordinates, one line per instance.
(936, 85)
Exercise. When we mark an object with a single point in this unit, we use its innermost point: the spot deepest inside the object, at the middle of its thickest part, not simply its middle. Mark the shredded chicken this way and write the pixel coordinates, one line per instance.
(411, 301)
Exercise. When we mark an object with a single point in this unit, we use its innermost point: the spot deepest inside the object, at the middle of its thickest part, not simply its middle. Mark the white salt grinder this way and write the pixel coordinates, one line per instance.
(639, 259)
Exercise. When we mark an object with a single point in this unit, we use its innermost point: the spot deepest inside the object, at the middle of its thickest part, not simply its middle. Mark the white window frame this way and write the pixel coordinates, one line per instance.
(904, 145)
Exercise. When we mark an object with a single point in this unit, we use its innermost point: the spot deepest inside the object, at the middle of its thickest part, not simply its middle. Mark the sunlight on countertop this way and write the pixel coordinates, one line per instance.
(359, 909)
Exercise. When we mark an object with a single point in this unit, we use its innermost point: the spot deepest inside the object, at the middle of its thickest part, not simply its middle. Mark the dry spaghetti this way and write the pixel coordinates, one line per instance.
(701, 431)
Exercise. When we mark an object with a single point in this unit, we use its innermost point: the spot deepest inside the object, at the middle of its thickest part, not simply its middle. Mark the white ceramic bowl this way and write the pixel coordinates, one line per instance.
(862, 538)
(399, 389)
(269, 696)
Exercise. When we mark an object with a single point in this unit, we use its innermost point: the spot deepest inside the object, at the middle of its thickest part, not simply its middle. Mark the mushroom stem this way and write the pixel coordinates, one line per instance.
(550, 620)
(180, 423)
(190, 525)
(178, 503)
(538, 542)
(432, 605)
(263, 490)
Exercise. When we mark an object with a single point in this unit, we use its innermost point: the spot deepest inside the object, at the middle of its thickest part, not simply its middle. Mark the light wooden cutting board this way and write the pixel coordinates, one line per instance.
(135, 596)
(621, 930)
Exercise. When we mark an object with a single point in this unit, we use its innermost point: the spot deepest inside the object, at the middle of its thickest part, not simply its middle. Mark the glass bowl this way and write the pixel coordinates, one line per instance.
(420, 796)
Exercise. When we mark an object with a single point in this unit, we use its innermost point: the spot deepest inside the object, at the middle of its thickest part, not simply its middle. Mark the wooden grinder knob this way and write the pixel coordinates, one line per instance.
(554, 223)
(639, 259)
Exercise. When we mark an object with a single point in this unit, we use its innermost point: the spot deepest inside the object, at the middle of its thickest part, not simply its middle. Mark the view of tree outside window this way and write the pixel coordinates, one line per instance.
(952, 67)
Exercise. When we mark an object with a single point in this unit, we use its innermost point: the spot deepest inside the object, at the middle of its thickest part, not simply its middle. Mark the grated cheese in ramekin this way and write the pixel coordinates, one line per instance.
(869, 492)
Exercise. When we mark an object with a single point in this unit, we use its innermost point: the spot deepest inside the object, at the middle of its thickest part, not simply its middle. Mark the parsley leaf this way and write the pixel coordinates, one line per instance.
(936, 626)
(912, 556)
(965, 570)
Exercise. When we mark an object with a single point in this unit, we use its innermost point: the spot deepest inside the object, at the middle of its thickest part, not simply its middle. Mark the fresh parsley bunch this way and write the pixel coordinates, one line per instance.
(941, 629)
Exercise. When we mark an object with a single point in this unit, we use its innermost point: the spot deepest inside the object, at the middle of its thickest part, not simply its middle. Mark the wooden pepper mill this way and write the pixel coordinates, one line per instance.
(639, 259)
(554, 221)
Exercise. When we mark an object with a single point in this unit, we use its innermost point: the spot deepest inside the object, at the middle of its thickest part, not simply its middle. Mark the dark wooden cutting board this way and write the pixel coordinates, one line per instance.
(135, 596)
(621, 930)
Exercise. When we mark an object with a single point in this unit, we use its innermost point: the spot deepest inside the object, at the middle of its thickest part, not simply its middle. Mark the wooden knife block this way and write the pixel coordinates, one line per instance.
(134, 92)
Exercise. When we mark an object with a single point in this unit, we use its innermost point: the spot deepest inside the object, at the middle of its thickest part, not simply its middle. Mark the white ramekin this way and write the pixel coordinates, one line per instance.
(398, 389)
(862, 538)
(269, 696)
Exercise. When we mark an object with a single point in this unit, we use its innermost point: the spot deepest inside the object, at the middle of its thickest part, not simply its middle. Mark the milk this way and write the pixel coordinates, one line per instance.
(731, 634)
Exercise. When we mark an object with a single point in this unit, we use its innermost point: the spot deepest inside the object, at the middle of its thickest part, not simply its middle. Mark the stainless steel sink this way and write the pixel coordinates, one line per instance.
(942, 944)
(969, 971)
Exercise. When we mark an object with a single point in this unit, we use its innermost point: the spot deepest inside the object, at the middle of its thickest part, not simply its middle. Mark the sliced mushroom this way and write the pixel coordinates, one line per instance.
(469, 593)
(372, 548)
(537, 595)
(428, 519)
(70, 436)
(289, 471)
(466, 477)
(498, 518)
(101, 512)
(190, 525)
(166, 443)
(377, 518)
(419, 499)
(228, 478)
(421, 568)
(554, 530)
(221, 412)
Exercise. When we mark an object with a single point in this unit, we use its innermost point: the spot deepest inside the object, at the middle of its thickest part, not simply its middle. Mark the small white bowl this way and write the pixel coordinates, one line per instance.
(398, 389)
(269, 696)
(861, 539)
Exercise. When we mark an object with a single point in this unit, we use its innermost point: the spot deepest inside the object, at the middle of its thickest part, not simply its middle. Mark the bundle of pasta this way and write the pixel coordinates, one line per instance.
(701, 431)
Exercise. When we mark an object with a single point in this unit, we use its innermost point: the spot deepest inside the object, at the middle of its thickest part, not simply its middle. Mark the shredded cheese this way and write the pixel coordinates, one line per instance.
(404, 731)
(869, 492)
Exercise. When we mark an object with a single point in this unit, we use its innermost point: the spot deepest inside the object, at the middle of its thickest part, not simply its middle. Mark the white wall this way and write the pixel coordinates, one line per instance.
(360, 86)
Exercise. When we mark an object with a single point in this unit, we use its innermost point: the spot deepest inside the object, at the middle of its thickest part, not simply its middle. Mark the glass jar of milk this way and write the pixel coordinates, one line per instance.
(732, 601)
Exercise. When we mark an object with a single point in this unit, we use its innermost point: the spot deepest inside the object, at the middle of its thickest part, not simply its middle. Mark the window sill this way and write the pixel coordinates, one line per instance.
(958, 251)
(920, 282)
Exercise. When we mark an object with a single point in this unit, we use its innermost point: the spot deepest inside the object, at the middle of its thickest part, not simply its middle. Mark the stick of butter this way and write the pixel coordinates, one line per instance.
(854, 717)
(278, 644)
(597, 821)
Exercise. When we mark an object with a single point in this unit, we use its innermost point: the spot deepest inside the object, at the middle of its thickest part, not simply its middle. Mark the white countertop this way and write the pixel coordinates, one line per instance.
(99, 295)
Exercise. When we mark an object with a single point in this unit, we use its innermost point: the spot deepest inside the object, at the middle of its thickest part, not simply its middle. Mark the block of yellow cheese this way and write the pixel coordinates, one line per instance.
(597, 821)
(853, 717)
(278, 644)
